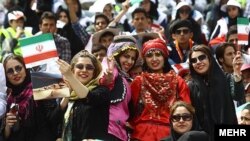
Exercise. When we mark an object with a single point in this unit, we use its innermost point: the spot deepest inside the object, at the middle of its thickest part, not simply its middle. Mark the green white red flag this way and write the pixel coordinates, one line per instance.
(40, 56)
(38, 50)
(243, 30)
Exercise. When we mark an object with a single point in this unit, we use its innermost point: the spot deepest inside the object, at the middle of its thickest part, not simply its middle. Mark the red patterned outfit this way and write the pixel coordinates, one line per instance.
(152, 96)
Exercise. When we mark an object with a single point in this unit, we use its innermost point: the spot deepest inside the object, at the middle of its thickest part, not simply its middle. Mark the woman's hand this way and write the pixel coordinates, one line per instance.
(11, 119)
(108, 74)
(65, 68)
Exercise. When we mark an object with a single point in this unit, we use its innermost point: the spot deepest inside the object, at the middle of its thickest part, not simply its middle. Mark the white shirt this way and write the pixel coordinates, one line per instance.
(3, 89)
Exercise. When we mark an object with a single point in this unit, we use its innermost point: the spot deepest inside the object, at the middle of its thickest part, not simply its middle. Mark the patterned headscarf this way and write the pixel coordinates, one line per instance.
(121, 44)
(157, 44)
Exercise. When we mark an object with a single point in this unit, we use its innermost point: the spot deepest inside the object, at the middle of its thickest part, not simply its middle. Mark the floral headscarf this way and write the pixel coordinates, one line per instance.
(121, 44)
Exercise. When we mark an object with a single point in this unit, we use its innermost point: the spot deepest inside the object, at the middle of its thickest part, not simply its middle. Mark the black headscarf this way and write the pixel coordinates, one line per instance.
(210, 94)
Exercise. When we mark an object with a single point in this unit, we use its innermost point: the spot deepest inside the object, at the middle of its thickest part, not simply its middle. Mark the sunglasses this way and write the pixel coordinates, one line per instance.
(187, 11)
(151, 53)
(184, 117)
(88, 67)
(184, 31)
(200, 58)
(244, 118)
(16, 69)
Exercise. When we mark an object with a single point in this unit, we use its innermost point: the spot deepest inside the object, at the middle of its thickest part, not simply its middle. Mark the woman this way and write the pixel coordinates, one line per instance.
(212, 91)
(26, 119)
(87, 113)
(182, 120)
(67, 31)
(154, 91)
(122, 55)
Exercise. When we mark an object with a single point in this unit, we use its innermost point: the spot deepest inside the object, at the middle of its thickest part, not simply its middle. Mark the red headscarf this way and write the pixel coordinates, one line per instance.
(157, 44)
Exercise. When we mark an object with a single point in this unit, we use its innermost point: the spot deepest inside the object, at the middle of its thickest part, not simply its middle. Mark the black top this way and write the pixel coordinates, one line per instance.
(212, 96)
(42, 123)
(91, 115)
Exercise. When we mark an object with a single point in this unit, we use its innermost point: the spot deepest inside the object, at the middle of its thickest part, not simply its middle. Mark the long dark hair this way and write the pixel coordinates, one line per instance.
(207, 51)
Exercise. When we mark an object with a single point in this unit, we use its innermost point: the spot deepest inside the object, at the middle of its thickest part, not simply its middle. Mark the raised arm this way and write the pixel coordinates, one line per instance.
(77, 27)
(125, 7)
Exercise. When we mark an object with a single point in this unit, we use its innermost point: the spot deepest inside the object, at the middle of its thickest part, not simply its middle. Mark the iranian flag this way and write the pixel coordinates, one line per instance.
(243, 30)
(38, 50)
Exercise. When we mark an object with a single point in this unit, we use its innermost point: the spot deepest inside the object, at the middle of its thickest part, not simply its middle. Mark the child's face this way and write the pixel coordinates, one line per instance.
(100, 54)
(106, 40)
(232, 11)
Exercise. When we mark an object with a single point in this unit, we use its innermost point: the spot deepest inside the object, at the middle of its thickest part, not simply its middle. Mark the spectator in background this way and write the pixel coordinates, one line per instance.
(3, 96)
(225, 54)
(101, 22)
(139, 21)
(65, 29)
(3, 89)
(245, 115)
(247, 93)
(245, 70)
(47, 24)
(233, 9)
(182, 33)
(105, 36)
(10, 36)
(185, 12)
(158, 17)
(99, 51)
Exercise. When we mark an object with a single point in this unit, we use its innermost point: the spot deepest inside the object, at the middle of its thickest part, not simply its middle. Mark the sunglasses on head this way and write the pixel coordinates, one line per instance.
(200, 58)
(16, 69)
(184, 31)
(88, 67)
(184, 117)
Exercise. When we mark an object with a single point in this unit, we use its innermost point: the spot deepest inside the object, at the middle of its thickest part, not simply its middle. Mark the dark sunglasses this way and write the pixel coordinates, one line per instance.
(184, 117)
(184, 31)
(200, 58)
(88, 67)
(187, 11)
(157, 53)
(244, 118)
(16, 69)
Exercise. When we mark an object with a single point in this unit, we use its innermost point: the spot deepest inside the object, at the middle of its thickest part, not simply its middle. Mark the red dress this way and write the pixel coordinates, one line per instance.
(152, 96)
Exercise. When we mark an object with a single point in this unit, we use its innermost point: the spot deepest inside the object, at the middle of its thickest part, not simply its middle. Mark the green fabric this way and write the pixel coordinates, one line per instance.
(9, 33)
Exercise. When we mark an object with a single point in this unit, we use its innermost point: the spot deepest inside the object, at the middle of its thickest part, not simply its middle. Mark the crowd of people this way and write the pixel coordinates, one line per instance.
(137, 70)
